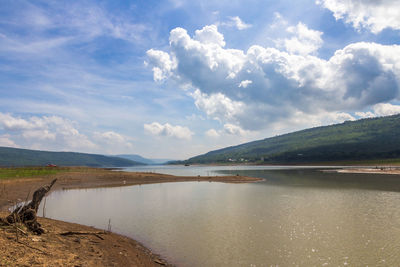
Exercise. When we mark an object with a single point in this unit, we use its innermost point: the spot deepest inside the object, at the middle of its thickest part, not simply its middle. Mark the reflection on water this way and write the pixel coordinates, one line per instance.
(295, 217)
(204, 170)
(318, 179)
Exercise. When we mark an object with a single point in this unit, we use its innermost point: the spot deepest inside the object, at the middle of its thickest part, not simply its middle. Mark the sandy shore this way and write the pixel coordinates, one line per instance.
(53, 249)
(373, 170)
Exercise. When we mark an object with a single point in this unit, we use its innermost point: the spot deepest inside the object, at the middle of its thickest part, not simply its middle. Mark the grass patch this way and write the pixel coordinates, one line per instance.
(26, 172)
(12, 173)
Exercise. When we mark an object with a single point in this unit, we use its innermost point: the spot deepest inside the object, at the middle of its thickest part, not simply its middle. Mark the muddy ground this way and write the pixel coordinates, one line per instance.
(87, 246)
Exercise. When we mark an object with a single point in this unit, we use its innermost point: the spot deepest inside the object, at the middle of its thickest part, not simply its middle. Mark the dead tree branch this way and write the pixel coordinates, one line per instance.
(97, 234)
(26, 214)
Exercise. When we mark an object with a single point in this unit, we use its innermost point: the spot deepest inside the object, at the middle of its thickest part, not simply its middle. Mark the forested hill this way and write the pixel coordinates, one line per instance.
(13, 157)
(141, 159)
(365, 139)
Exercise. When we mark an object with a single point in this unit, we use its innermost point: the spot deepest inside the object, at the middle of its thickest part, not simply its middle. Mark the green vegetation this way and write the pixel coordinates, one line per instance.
(9, 173)
(366, 140)
(143, 160)
(14, 157)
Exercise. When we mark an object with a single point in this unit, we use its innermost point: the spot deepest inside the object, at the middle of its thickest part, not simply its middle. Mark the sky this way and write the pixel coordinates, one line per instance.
(175, 79)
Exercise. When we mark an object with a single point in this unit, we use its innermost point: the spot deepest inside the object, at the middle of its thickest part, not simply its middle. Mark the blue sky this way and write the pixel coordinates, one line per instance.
(174, 79)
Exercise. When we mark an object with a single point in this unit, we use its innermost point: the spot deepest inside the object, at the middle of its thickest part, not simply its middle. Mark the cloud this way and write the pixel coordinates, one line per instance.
(278, 22)
(168, 130)
(195, 117)
(234, 130)
(212, 133)
(209, 35)
(245, 83)
(47, 132)
(386, 109)
(237, 23)
(162, 64)
(382, 109)
(58, 133)
(304, 40)
(300, 120)
(111, 142)
(91, 21)
(283, 84)
(11, 123)
(367, 114)
(373, 15)
(55, 26)
(112, 138)
(6, 141)
(217, 106)
(40, 134)
(228, 129)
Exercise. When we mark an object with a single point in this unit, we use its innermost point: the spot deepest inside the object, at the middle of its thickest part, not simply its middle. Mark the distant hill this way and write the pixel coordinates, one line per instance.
(139, 158)
(135, 157)
(365, 139)
(25, 157)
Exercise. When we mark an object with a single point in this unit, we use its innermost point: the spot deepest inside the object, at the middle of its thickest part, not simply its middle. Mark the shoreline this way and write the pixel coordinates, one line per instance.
(371, 170)
(52, 248)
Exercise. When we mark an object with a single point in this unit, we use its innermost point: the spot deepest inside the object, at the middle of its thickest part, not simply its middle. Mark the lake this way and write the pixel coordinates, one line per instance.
(296, 217)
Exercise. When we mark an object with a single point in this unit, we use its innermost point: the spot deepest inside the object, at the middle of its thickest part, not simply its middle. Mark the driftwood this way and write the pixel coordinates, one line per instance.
(96, 234)
(26, 214)
(22, 231)
(159, 262)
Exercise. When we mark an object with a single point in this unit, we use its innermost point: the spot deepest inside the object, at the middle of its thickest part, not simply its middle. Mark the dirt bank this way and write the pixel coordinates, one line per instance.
(87, 249)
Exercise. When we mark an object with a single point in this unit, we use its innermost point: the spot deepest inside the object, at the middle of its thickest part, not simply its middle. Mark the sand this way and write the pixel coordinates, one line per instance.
(373, 170)
(87, 249)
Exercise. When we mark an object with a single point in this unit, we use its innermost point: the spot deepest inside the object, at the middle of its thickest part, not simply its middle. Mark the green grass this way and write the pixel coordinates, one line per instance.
(12, 173)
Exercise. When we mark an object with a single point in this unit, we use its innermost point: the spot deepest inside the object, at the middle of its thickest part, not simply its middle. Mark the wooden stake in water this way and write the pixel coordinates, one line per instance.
(44, 208)
(109, 225)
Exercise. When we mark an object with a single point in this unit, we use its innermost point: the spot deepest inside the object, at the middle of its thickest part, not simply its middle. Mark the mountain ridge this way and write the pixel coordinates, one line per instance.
(15, 157)
(364, 139)
(138, 158)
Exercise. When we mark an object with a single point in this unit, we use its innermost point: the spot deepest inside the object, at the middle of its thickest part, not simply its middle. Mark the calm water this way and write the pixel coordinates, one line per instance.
(295, 217)
(203, 170)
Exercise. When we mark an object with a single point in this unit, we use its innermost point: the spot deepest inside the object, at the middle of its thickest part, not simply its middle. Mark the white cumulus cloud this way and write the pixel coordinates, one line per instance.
(210, 35)
(113, 139)
(168, 130)
(162, 64)
(382, 109)
(217, 106)
(6, 141)
(9, 122)
(386, 109)
(58, 133)
(234, 129)
(46, 132)
(304, 40)
(212, 133)
(375, 15)
(283, 83)
(238, 23)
